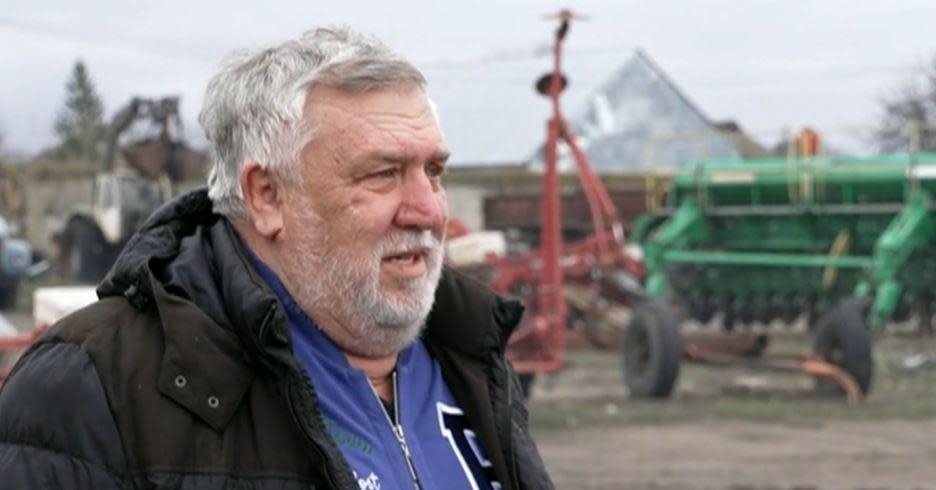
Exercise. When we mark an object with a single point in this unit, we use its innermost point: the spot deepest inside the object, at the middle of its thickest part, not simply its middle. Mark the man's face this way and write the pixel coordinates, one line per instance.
(363, 233)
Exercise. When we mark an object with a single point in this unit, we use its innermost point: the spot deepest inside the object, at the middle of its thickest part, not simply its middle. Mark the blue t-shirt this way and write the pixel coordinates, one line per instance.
(444, 451)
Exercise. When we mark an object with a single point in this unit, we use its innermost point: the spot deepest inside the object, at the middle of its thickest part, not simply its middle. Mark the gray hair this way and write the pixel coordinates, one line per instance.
(253, 107)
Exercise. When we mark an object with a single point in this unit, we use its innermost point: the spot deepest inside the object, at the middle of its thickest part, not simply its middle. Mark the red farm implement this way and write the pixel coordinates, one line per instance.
(595, 284)
(543, 278)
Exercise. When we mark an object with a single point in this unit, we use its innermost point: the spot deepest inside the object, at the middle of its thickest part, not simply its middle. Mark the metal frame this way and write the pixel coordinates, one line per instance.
(538, 344)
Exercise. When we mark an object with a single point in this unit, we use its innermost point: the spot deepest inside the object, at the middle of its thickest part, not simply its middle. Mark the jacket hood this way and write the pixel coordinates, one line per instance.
(159, 240)
(185, 250)
(189, 251)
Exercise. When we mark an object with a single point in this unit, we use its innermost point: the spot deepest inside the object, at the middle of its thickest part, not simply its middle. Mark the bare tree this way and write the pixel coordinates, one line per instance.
(909, 115)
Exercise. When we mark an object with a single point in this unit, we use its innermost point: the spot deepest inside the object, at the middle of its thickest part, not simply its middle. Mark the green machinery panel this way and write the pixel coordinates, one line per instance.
(769, 238)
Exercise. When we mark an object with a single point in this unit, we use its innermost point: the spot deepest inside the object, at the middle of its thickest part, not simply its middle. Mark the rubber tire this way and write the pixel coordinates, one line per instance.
(842, 339)
(8, 292)
(651, 351)
(84, 253)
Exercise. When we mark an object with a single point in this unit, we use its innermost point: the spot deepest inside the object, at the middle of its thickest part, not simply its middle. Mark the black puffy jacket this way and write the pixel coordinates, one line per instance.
(182, 376)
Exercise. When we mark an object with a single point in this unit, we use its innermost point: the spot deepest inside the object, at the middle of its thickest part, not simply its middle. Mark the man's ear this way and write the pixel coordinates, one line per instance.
(264, 198)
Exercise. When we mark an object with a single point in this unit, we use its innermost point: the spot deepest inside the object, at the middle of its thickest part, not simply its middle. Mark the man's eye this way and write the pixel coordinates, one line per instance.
(434, 170)
(388, 173)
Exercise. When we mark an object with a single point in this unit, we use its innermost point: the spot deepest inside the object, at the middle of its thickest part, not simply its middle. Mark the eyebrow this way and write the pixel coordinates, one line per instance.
(401, 158)
(441, 155)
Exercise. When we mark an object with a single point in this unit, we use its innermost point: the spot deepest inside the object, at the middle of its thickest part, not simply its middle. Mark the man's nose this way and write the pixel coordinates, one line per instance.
(422, 203)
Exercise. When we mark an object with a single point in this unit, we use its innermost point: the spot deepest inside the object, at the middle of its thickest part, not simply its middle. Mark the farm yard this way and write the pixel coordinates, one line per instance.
(741, 429)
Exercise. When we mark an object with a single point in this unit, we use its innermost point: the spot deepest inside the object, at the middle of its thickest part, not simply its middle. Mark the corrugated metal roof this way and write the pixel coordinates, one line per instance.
(639, 119)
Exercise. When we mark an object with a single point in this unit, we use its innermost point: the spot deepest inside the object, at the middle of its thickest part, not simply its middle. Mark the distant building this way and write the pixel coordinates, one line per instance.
(747, 146)
(636, 121)
(640, 120)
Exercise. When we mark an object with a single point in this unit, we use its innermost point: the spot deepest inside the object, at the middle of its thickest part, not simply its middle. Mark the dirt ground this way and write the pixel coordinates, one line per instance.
(741, 429)
(744, 455)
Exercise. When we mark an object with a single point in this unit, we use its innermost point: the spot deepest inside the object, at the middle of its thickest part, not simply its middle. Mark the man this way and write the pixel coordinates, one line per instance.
(275, 330)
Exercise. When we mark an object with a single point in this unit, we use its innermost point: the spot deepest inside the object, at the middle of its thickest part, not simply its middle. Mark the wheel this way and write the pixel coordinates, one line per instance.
(84, 252)
(9, 286)
(924, 316)
(526, 384)
(842, 339)
(650, 351)
(76, 260)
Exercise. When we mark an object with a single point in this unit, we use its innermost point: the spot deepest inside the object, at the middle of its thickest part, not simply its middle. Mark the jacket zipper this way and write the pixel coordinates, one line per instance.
(291, 401)
(396, 426)
(511, 458)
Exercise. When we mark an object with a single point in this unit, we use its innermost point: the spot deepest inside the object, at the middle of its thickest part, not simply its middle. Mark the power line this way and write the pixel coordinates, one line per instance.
(533, 54)
(126, 44)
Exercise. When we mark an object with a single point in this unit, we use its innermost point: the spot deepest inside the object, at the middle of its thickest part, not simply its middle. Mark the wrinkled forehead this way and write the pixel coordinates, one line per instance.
(399, 118)
(324, 103)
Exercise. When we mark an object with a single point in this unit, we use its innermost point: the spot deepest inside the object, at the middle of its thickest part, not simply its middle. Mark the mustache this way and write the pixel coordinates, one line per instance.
(397, 242)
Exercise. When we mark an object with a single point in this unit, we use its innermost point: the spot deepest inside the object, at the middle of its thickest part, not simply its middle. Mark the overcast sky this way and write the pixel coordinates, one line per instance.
(769, 65)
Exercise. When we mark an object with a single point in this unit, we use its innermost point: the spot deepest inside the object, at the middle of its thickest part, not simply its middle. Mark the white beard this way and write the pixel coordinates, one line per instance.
(331, 279)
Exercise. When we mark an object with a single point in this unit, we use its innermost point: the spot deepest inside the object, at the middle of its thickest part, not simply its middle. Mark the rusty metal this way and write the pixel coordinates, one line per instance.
(818, 368)
(743, 344)
(810, 365)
